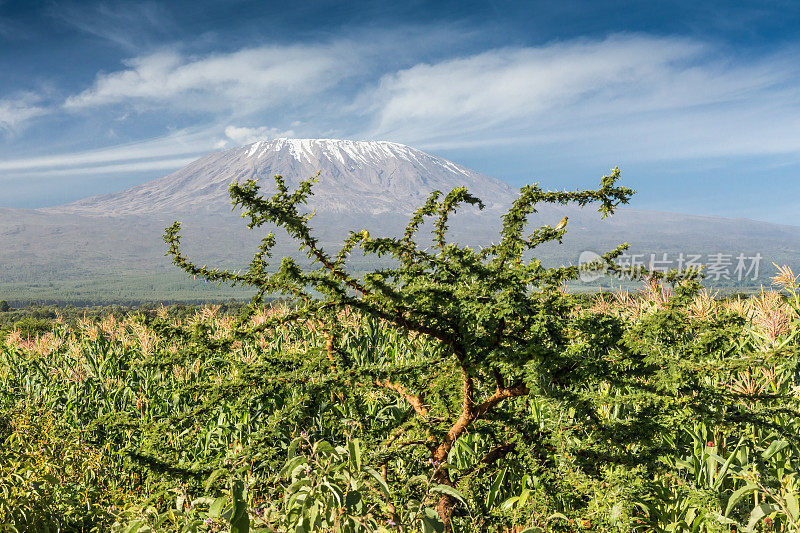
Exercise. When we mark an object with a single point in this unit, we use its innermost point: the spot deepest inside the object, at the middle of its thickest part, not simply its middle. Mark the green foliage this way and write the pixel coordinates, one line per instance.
(48, 481)
(454, 389)
(149, 427)
(494, 314)
(32, 327)
(330, 489)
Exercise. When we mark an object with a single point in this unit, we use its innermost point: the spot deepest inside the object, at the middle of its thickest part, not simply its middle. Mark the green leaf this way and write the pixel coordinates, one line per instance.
(298, 485)
(291, 464)
(431, 522)
(136, 526)
(381, 482)
(774, 447)
(765, 509)
(449, 491)
(240, 520)
(313, 515)
(354, 503)
(215, 510)
(509, 503)
(354, 447)
(721, 475)
(336, 491)
(212, 478)
(324, 447)
(723, 519)
(523, 497)
(293, 447)
(738, 495)
(792, 506)
(494, 490)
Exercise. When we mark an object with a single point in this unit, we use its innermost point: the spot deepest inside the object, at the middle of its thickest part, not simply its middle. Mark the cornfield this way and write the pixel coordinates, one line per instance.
(150, 423)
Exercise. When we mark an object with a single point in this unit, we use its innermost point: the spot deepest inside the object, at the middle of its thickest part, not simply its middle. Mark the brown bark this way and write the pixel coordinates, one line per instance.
(329, 349)
(415, 401)
(469, 413)
(519, 389)
(466, 418)
(445, 509)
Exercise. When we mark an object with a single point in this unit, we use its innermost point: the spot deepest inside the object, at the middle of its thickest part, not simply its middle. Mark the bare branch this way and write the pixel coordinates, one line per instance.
(415, 401)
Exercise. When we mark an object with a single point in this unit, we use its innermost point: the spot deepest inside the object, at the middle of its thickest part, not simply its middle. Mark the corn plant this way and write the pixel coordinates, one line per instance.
(664, 409)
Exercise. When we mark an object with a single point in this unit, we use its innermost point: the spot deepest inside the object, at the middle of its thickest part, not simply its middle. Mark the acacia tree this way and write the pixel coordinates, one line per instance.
(496, 313)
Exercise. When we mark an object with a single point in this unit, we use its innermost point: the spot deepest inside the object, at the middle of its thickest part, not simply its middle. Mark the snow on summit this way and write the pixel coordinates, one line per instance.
(347, 151)
(354, 176)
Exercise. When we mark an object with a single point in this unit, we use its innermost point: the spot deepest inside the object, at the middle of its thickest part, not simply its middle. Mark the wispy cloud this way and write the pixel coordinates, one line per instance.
(248, 80)
(130, 26)
(642, 96)
(244, 135)
(162, 153)
(158, 151)
(15, 111)
(159, 165)
(654, 93)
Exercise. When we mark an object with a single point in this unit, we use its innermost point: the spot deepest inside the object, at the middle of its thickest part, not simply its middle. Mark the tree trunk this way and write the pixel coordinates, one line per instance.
(445, 509)
(445, 504)
(469, 413)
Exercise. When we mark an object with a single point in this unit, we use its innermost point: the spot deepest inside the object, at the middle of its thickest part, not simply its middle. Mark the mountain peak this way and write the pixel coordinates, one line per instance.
(335, 144)
(346, 151)
(354, 177)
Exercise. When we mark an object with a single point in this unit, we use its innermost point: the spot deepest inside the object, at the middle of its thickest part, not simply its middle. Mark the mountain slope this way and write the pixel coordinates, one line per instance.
(355, 177)
(109, 248)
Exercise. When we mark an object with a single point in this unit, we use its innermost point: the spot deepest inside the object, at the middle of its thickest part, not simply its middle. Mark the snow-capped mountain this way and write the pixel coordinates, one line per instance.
(112, 245)
(366, 177)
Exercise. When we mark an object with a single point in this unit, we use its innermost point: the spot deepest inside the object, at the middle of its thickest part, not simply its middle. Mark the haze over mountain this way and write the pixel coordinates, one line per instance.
(110, 247)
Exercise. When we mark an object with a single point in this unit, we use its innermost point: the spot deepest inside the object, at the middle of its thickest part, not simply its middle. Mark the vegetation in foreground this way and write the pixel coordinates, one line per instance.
(33, 320)
(458, 391)
(128, 425)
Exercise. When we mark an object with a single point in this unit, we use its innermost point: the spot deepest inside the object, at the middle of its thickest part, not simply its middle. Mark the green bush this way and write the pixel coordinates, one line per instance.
(465, 390)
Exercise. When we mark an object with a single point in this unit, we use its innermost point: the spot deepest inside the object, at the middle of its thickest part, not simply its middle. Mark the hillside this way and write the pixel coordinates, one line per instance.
(355, 178)
(109, 247)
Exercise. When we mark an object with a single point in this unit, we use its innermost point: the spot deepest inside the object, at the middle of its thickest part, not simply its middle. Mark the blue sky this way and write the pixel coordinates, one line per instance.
(698, 104)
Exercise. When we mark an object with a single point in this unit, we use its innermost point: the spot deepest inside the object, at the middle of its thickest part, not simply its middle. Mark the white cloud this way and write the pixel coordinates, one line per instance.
(241, 135)
(128, 25)
(623, 98)
(161, 165)
(651, 95)
(14, 112)
(181, 144)
(162, 153)
(242, 81)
